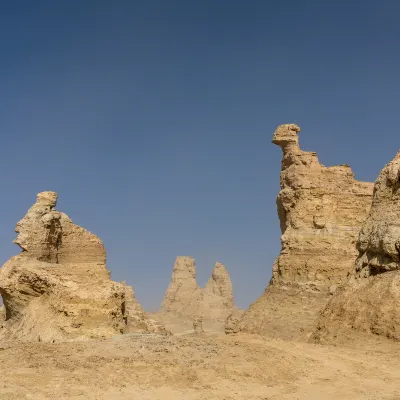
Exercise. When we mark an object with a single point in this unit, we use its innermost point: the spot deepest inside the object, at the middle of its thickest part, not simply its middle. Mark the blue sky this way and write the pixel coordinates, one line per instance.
(153, 120)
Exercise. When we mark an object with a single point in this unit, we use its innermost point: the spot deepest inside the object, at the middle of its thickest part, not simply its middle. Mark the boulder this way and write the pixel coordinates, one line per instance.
(232, 322)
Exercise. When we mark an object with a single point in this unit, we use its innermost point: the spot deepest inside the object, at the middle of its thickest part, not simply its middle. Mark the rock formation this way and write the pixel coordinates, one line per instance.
(59, 288)
(370, 301)
(183, 292)
(232, 322)
(198, 325)
(321, 210)
(219, 286)
(185, 299)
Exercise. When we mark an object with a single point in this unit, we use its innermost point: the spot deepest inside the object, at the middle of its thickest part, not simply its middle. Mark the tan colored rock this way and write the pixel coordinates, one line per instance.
(321, 210)
(370, 301)
(220, 285)
(182, 290)
(232, 322)
(59, 288)
(198, 325)
(136, 319)
(185, 299)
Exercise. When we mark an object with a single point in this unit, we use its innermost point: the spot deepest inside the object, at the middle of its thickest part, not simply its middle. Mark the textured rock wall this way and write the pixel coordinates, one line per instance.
(59, 288)
(321, 210)
(370, 301)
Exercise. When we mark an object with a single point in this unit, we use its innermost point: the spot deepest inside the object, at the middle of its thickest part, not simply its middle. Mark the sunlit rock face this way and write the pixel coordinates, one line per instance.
(370, 301)
(321, 210)
(58, 287)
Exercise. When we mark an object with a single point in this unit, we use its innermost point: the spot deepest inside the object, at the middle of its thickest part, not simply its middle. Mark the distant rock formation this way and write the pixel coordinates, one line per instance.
(219, 286)
(321, 210)
(59, 288)
(370, 301)
(185, 298)
(182, 290)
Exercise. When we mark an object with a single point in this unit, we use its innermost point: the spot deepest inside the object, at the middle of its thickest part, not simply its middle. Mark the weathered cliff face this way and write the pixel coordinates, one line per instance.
(321, 210)
(370, 301)
(59, 288)
(379, 239)
(185, 298)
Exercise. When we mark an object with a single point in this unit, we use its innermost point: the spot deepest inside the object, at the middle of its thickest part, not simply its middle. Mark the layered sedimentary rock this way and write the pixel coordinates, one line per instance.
(321, 210)
(370, 301)
(59, 288)
(186, 299)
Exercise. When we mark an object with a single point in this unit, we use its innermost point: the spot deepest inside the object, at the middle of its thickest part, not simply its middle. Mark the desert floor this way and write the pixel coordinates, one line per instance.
(198, 367)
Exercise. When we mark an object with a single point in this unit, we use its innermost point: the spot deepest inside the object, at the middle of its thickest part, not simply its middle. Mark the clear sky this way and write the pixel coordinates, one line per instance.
(153, 120)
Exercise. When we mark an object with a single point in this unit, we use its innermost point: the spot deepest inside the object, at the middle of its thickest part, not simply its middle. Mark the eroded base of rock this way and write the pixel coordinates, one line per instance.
(285, 313)
(369, 306)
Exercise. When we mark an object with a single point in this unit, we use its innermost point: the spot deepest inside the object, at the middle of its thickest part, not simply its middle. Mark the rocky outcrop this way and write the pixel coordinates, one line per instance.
(370, 301)
(198, 325)
(321, 210)
(59, 288)
(182, 293)
(184, 298)
(232, 322)
(220, 286)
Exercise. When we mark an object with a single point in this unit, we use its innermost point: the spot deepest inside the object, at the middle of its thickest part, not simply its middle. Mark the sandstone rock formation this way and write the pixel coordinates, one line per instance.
(185, 299)
(219, 287)
(370, 301)
(59, 288)
(321, 210)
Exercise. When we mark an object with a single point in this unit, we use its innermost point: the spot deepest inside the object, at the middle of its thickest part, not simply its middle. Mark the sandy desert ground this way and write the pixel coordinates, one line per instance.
(209, 366)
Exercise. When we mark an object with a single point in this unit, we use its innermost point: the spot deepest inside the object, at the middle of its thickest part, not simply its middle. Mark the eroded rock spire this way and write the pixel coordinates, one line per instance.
(321, 210)
(185, 301)
(58, 287)
(370, 301)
